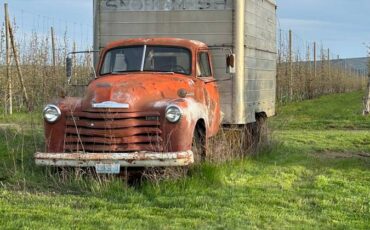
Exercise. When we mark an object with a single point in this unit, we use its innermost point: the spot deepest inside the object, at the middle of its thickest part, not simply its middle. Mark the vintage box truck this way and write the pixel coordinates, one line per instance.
(168, 74)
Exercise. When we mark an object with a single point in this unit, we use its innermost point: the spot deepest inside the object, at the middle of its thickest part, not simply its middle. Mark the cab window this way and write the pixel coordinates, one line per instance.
(147, 58)
(203, 67)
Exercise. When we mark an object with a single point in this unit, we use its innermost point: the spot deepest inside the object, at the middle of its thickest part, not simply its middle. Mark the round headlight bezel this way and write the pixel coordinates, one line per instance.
(170, 111)
(57, 113)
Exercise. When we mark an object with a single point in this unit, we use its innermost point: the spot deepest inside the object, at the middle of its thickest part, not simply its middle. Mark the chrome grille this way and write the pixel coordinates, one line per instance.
(108, 131)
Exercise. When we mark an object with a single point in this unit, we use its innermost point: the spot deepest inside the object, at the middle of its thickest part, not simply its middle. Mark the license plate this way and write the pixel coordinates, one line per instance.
(107, 168)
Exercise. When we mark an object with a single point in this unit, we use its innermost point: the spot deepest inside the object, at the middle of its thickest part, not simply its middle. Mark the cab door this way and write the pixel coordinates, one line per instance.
(210, 91)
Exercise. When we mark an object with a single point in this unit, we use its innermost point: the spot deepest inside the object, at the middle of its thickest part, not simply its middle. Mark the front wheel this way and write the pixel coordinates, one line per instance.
(199, 146)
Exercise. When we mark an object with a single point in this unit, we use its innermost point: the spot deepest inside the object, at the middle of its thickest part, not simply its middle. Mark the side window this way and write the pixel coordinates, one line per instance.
(106, 68)
(204, 67)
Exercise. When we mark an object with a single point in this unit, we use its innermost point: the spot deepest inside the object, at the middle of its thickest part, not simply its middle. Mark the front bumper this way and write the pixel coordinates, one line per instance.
(138, 159)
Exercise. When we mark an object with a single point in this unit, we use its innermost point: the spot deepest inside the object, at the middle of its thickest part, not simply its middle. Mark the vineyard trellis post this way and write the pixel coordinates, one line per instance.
(329, 73)
(319, 73)
(278, 75)
(338, 74)
(322, 77)
(367, 95)
(314, 69)
(308, 74)
(16, 59)
(290, 65)
(53, 48)
(9, 93)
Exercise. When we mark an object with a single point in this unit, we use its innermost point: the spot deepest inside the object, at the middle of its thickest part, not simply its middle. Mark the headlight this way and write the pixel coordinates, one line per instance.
(173, 113)
(51, 113)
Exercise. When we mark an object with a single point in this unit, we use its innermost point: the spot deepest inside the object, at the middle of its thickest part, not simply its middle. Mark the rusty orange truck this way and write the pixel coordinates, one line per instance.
(168, 75)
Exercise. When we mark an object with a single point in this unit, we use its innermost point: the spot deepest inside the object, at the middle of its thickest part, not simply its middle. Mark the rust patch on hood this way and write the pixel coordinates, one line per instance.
(137, 89)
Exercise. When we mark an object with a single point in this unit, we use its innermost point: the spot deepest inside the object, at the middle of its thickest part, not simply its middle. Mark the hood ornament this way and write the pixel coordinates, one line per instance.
(110, 105)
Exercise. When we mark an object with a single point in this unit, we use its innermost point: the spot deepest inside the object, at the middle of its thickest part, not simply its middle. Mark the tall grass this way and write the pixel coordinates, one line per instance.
(315, 176)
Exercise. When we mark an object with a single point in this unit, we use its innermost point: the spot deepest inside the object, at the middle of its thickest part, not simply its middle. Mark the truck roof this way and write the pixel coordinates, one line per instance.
(190, 44)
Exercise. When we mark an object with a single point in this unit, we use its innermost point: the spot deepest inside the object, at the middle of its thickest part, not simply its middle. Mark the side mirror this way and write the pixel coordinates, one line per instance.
(230, 63)
(69, 67)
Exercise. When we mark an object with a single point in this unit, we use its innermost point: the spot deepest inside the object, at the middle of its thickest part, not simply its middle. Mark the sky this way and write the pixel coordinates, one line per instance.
(341, 25)
(74, 17)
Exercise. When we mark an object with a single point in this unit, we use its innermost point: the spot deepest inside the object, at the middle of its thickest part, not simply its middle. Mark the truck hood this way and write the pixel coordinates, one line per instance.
(137, 91)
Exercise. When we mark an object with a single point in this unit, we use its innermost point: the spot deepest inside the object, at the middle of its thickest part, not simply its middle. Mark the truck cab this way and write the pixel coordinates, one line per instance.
(154, 102)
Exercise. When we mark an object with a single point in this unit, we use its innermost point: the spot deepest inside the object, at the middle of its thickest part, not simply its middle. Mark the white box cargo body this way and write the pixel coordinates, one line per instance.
(211, 22)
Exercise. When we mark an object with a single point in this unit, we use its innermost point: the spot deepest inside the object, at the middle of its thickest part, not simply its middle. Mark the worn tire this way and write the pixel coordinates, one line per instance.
(199, 146)
(255, 134)
(260, 133)
(262, 130)
(249, 139)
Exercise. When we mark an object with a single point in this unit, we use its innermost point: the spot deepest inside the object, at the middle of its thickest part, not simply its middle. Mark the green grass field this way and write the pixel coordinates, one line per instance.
(315, 174)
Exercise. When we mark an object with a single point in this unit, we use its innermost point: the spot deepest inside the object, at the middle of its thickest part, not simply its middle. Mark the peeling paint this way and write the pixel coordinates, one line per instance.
(138, 133)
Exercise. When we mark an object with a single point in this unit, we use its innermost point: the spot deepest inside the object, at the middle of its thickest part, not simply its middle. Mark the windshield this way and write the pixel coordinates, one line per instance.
(147, 58)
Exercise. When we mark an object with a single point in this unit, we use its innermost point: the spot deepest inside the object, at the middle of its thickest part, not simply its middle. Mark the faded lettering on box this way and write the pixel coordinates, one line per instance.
(165, 5)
